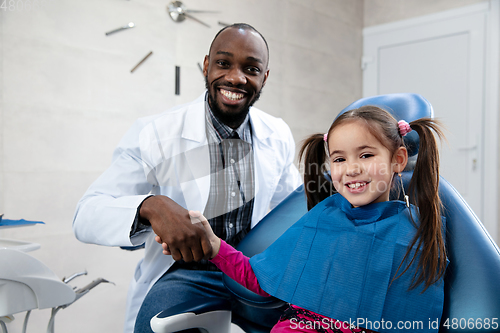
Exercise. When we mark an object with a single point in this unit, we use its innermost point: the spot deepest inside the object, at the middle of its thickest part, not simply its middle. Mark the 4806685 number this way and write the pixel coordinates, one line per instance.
(471, 323)
(21, 5)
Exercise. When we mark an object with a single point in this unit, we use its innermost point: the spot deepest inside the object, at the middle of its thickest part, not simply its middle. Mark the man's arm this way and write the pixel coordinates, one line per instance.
(106, 213)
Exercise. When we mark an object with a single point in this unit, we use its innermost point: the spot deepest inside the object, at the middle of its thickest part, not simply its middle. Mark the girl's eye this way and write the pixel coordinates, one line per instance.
(338, 160)
(366, 155)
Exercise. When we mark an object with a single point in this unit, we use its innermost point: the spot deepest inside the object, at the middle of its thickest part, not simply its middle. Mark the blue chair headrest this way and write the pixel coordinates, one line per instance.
(403, 106)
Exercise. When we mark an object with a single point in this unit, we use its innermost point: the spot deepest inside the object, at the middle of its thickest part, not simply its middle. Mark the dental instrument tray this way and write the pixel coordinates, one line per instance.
(5, 223)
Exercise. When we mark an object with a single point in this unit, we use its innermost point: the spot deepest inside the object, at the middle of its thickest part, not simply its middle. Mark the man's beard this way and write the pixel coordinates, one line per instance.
(232, 120)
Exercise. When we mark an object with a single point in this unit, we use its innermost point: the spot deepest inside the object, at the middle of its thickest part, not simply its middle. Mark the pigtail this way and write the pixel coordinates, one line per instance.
(317, 187)
(424, 194)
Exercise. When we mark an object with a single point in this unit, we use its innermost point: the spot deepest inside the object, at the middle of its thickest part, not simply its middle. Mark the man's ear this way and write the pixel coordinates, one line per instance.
(205, 66)
(266, 74)
(400, 159)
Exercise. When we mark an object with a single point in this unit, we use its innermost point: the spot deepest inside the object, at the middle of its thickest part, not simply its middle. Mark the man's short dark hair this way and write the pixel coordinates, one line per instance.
(243, 26)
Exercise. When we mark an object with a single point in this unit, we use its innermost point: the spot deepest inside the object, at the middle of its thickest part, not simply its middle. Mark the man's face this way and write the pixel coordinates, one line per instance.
(235, 72)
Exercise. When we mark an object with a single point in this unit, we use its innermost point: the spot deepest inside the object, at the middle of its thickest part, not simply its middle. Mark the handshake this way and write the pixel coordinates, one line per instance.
(197, 217)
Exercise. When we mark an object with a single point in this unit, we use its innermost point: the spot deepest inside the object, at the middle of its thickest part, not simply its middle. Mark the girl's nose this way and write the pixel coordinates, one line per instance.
(353, 169)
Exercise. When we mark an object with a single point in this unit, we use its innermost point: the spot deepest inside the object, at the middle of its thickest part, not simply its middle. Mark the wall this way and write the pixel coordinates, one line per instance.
(385, 11)
(67, 96)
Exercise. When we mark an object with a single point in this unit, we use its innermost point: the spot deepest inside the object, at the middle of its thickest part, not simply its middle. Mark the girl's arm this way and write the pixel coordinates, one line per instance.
(237, 266)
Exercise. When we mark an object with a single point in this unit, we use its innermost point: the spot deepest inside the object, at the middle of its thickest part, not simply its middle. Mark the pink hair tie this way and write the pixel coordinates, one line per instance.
(325, 137)
(404, 127)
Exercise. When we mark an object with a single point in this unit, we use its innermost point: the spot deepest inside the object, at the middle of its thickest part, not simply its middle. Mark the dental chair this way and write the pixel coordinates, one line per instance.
(472, 280)
(27, 284)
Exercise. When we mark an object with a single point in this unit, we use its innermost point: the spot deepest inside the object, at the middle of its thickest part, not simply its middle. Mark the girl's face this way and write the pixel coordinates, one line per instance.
(362, 168)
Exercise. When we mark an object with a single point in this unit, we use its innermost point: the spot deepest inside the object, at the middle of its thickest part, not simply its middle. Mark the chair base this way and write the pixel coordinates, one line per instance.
(212, 322)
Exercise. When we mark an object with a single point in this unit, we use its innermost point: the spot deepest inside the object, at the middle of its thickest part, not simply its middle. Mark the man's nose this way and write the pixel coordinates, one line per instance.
(235, 76)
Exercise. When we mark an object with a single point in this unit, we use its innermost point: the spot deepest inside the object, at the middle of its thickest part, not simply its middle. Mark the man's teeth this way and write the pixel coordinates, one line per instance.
(356, 185)
(231, 95)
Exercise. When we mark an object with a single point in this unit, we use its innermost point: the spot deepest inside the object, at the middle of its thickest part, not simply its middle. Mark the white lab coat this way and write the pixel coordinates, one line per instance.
(167, 154)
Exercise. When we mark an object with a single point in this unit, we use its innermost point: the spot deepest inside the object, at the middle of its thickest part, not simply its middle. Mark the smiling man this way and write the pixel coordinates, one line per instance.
(217, 154)
(235, 72)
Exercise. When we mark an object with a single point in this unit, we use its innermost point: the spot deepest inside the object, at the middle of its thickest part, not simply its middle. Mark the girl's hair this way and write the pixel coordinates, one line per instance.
(423, 188)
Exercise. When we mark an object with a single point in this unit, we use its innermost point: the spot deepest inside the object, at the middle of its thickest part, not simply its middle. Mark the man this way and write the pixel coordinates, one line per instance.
(217, 154)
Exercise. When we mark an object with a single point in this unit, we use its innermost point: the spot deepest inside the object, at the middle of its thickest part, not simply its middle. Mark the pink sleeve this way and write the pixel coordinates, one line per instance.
(237, 266)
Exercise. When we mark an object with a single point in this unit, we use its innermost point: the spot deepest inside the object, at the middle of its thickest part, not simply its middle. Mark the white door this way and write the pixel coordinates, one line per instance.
(441, 57)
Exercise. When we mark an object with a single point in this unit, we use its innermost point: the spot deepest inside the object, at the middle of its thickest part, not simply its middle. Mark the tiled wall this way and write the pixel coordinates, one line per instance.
(67, 96)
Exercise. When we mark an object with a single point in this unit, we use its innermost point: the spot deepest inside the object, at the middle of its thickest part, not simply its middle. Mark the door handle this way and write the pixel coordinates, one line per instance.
(471, 147)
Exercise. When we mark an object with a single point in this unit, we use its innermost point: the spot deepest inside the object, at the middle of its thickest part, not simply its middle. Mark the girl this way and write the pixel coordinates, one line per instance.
(370, 263)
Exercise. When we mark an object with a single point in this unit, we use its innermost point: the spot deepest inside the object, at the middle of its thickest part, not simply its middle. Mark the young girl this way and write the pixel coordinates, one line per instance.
(356, 261)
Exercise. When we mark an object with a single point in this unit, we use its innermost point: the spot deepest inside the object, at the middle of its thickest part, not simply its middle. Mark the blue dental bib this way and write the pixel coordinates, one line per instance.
(340, 262)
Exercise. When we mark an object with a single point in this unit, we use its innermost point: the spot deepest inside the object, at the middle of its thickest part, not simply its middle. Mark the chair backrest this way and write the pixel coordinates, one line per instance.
(472, 281)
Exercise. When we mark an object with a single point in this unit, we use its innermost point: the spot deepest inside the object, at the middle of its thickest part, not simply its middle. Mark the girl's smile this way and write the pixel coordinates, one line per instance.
(356, 186)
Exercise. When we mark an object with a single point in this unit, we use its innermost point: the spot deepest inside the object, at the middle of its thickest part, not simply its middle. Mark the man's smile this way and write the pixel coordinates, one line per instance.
(231, 95)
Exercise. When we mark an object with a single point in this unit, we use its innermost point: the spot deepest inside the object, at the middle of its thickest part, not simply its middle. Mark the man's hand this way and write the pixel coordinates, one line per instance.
(197, 217)
(172, 225)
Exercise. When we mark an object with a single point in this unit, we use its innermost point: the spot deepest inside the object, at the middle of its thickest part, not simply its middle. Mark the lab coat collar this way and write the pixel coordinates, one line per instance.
(193, 128)
(261, 131)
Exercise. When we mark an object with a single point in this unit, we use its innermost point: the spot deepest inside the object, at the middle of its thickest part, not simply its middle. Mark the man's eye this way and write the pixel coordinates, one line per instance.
(253, 70)
(222, 63)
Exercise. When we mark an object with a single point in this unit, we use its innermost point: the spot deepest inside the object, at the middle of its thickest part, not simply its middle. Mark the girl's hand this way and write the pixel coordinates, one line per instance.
(197, 217)
(166, 249)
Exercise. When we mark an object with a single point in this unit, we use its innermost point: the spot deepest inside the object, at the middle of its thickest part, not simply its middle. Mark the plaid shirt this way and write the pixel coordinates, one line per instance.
(232, 187)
